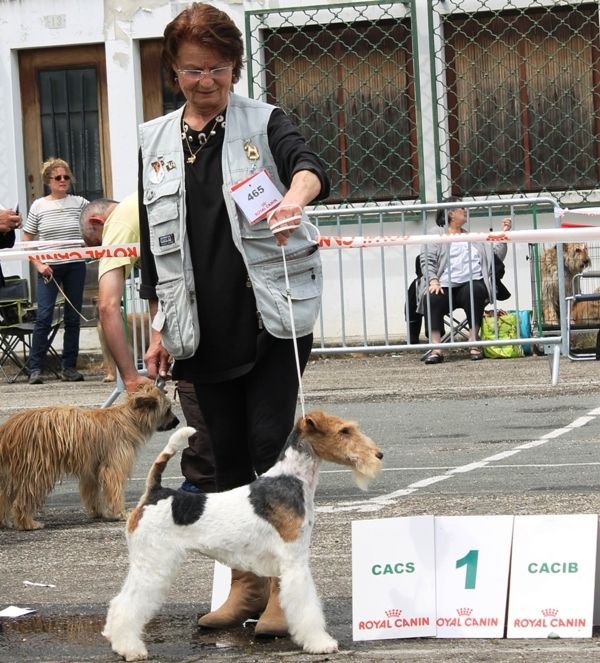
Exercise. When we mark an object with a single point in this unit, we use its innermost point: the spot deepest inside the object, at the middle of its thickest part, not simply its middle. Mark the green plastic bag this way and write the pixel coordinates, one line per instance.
(507, 328)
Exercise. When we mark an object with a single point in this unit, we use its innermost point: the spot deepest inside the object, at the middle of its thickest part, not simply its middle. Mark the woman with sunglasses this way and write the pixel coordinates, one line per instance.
(56, 217)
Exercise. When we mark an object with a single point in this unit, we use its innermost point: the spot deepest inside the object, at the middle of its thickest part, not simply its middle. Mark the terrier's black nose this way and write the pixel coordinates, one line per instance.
(379, 455)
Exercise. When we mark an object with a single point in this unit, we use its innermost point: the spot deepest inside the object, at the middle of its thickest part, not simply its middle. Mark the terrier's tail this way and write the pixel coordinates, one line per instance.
(153, 481)
(177, 441)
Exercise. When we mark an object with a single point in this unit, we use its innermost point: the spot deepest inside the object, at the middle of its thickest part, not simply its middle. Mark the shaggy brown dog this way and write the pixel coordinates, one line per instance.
(576, 259)
(39, 446)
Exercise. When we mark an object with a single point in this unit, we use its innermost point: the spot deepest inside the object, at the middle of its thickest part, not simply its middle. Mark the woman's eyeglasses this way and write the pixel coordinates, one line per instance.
(196, 74)
(60, 178)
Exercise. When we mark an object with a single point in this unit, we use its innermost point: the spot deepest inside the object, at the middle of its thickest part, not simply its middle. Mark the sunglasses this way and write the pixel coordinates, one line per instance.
(60, 178)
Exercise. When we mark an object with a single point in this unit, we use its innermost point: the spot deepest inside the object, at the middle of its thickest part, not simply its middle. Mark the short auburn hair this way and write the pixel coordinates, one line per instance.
(207, 26)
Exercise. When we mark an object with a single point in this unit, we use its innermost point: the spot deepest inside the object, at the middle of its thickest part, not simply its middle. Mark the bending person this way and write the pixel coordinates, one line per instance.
(107, 222)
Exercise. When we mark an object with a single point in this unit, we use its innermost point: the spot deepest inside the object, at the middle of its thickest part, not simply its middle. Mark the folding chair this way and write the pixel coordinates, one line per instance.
(456, 327)
(17, 321)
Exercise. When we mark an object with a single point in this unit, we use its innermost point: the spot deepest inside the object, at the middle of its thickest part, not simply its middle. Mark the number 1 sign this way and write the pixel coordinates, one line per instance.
(472, 559)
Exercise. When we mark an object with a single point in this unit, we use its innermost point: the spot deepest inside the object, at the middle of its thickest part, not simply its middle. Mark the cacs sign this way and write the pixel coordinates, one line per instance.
(393, 578)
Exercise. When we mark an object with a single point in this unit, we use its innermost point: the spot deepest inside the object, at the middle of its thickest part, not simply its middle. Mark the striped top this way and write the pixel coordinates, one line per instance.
(55, 219)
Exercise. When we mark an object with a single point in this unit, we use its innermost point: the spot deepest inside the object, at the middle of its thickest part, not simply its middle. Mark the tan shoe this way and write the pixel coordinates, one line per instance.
(272, 622)
(247, 598)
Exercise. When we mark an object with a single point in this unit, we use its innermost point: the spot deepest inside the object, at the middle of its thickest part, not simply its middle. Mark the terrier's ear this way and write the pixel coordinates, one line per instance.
(309, 423)
(313, 420)
(144, 402)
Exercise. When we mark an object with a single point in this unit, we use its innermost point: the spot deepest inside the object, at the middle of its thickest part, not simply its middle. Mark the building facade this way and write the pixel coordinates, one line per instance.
(406, 101)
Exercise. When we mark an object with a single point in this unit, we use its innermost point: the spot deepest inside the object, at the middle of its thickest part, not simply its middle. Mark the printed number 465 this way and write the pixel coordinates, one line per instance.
(470, 561)
(256, 192)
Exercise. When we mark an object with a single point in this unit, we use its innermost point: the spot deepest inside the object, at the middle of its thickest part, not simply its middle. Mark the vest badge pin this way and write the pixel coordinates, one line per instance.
(251, 151)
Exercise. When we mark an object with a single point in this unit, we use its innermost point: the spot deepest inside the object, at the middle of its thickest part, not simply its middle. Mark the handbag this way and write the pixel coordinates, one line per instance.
(507, 323)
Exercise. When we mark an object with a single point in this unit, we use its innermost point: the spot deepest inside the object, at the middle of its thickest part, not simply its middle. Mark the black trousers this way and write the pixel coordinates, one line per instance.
(461, 298)
(249, 418)
(197, 462)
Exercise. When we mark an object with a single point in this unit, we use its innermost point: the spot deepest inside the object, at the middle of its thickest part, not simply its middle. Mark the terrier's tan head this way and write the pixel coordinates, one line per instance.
(576, 257)
(341, 442)
(152, 404)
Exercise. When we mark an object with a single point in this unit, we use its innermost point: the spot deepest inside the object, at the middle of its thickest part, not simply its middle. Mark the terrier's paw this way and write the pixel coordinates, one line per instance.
(324, 644)
(131, 652)
(136, 656)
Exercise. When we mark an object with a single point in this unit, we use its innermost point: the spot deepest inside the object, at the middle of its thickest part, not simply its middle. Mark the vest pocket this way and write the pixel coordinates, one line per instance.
(162, 205)
(306, 284)
(177, 318)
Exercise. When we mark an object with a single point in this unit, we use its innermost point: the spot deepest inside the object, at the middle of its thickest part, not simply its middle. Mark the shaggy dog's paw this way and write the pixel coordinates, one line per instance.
(28, 525)
(114, 516)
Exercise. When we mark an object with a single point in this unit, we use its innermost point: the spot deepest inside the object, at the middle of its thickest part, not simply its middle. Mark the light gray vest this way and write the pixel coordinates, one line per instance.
(164, 197)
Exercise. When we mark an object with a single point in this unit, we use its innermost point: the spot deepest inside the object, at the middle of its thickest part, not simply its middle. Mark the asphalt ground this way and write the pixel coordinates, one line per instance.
(430, 420)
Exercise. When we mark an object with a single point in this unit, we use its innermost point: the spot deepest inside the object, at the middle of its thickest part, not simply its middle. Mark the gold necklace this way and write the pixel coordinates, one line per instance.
(202, 137)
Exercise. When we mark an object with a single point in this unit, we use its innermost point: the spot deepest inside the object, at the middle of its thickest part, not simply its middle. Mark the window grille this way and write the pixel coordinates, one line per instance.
(479, 97)
(69, 118)
(345, 76)
(522, 92)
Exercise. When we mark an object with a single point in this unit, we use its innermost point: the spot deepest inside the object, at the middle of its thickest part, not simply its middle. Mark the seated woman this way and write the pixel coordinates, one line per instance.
(451, 272)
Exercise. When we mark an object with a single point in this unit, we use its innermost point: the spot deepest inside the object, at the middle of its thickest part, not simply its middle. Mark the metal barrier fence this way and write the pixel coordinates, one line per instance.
(366, 298)
(415, 99)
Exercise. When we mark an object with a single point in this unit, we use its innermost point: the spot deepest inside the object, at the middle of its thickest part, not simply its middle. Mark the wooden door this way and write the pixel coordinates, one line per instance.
(65, 115)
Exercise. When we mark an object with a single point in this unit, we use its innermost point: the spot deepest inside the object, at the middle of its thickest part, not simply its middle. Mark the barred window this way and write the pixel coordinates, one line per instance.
(350, 89)
(523, 100)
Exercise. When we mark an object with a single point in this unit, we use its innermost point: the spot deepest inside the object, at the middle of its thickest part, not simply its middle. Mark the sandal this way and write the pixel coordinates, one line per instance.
(435, 358)
(476, 354)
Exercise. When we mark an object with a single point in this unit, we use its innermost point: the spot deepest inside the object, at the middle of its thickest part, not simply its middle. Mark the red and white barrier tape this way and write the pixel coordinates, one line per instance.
(72, 253)
(512, 236)
(564, 234)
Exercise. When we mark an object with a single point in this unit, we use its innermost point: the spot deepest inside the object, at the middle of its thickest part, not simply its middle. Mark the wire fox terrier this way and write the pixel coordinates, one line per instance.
(264, 527)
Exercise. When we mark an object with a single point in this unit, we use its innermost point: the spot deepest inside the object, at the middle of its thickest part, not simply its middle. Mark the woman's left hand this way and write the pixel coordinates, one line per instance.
(304, 188)
(283, 220)
(506, 224)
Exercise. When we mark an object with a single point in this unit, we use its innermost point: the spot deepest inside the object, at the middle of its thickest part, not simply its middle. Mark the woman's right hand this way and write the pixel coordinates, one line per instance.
(435, 288)
(157, 358)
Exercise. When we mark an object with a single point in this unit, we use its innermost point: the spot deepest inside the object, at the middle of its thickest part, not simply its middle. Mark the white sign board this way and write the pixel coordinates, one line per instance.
(597, 599)
(393, 578)
(472, 561)
(552, 576)
(221, 585)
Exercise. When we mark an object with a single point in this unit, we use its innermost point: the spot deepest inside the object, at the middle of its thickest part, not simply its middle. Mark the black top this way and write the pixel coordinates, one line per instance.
(230, 336)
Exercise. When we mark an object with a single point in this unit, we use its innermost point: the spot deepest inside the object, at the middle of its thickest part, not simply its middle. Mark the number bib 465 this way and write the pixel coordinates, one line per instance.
(256, 196)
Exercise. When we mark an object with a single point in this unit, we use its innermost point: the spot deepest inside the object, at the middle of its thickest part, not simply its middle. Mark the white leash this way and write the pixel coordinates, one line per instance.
(51, 279)
(279, 226)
